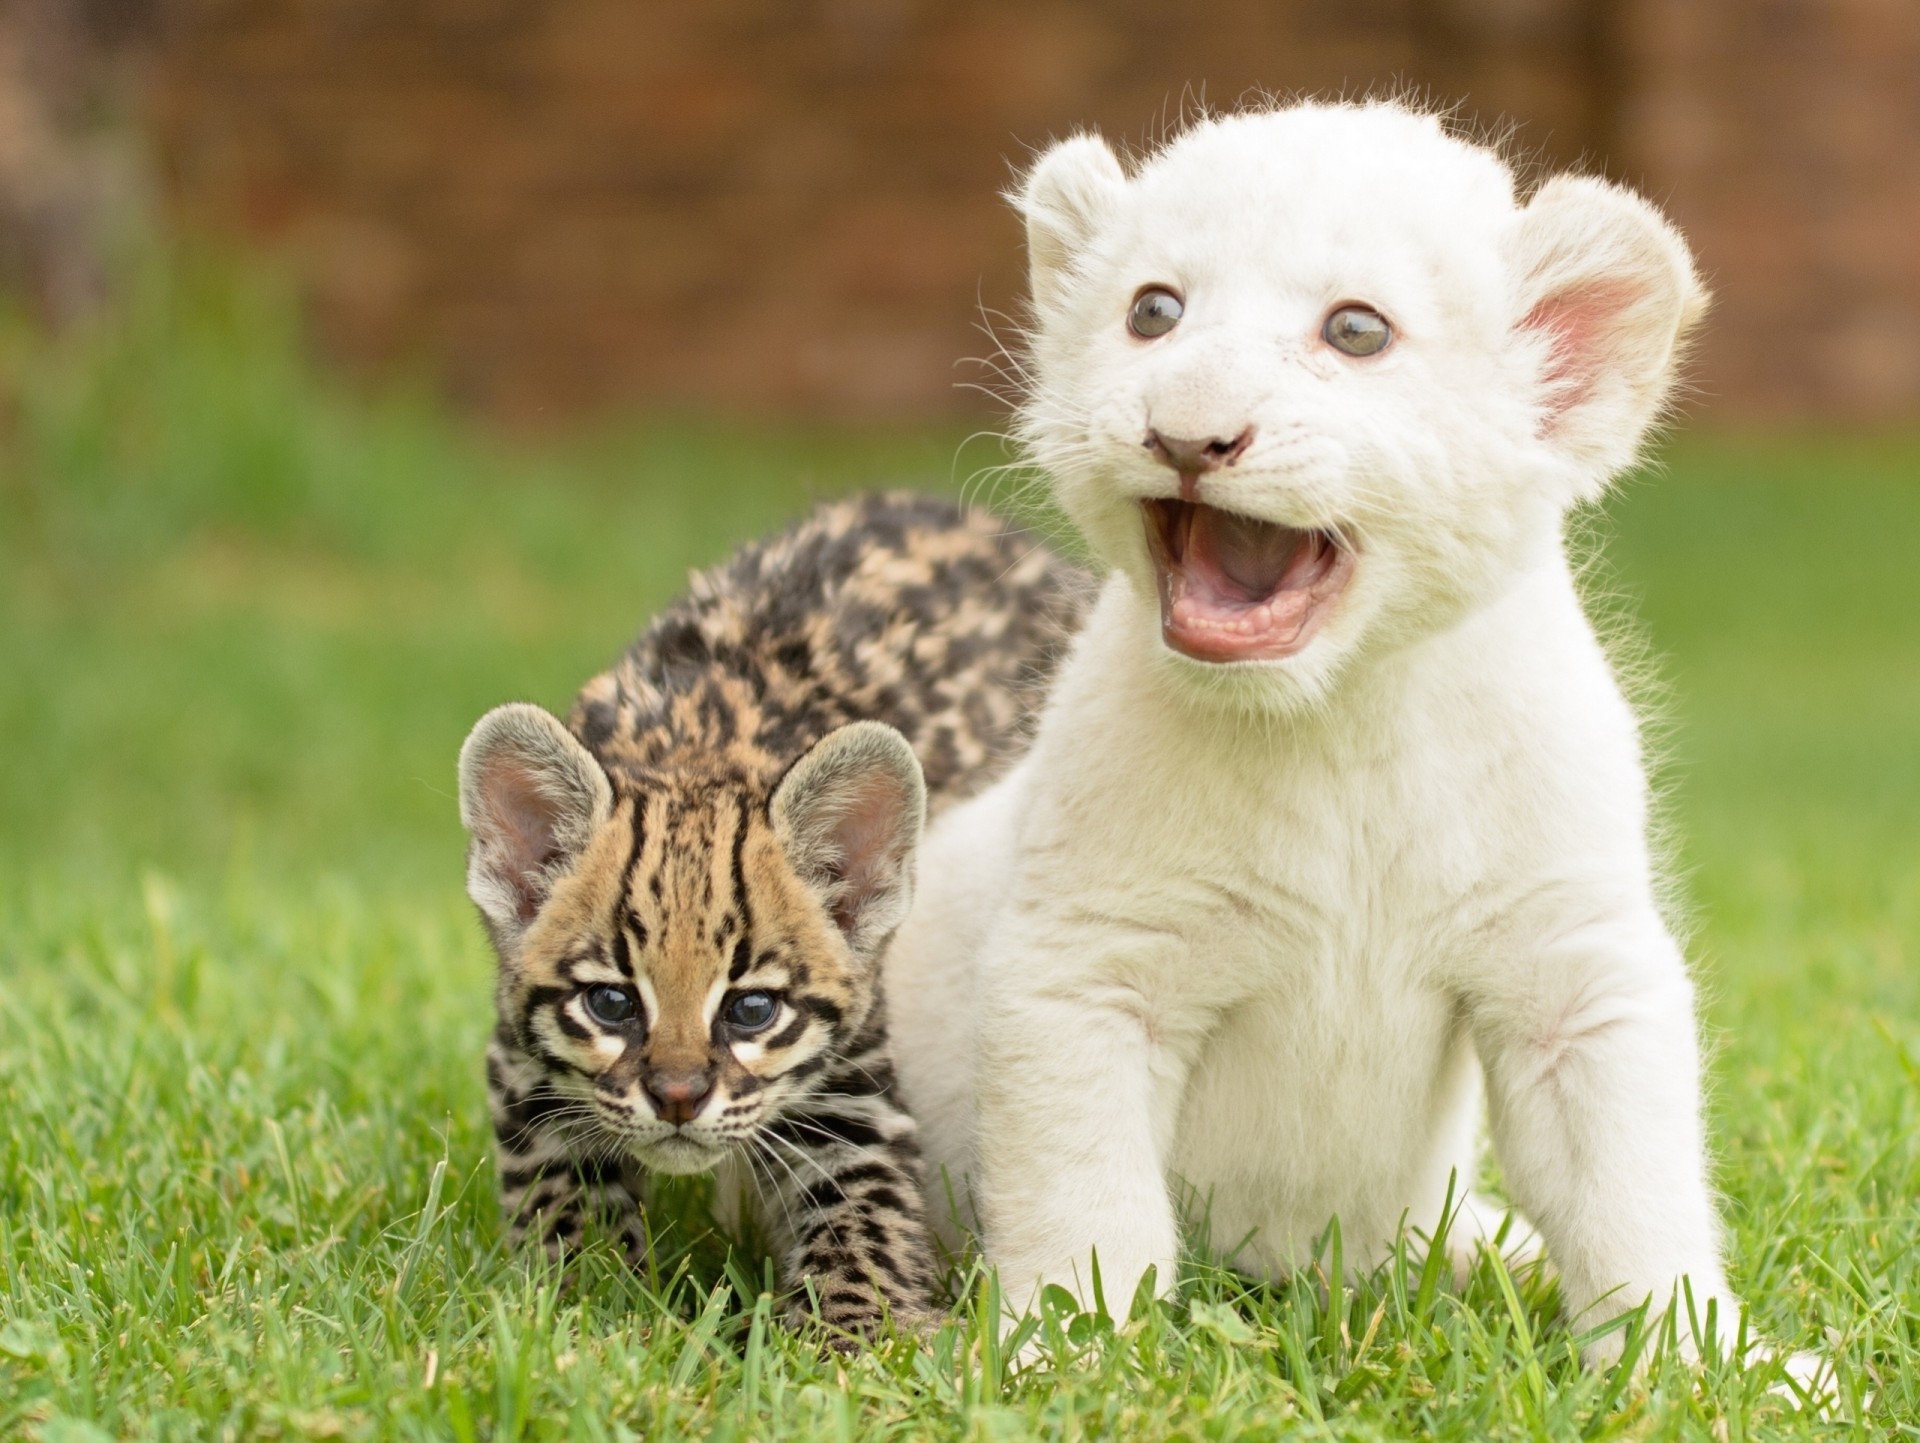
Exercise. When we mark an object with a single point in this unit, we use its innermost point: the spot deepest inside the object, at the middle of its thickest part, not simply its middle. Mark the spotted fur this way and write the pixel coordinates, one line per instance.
(723, 819)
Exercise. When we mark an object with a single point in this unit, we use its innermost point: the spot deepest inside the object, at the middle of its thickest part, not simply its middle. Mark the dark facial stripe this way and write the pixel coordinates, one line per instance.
(789, 1034)
(827, 1012)
(623, 914)
(538, 1050)
(800, 1071)
(741, 815)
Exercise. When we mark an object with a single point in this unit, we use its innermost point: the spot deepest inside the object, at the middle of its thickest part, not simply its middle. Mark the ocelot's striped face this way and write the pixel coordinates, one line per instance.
(683, 982)
(685, 953)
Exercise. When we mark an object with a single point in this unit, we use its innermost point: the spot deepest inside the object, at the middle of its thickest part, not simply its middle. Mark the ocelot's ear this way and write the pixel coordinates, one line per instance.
(848, 815)
(1605, 294)
(1064, 198)
(530, 797)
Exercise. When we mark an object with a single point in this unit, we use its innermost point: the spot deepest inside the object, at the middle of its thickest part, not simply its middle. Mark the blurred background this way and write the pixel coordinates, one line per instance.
(367, 363)
(569, 209)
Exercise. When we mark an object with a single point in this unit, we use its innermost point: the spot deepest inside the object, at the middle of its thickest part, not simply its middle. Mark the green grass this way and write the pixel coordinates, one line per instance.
(245, 1183)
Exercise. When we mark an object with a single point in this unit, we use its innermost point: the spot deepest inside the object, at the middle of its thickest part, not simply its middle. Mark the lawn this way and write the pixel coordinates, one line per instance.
(245, 1178)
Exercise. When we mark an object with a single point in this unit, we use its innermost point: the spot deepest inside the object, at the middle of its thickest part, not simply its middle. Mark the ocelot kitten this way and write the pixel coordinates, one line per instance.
(690, 884)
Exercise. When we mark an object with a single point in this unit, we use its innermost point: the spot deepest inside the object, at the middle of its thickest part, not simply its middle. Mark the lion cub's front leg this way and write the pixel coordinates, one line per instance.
(1076, 1100)
(1594, 1098)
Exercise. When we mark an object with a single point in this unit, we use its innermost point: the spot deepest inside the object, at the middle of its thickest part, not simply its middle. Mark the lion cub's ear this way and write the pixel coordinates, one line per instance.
(530, 797)
(849, 815)
(1064, 197)
(1606, 289)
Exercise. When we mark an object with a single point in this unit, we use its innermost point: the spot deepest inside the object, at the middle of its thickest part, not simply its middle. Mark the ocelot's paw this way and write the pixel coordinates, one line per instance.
(846, 1331)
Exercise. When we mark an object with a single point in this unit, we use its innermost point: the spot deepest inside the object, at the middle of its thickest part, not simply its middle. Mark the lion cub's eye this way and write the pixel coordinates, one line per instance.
(1156, 310)
(752, 1011)
(1357, 330)
(609, 1005)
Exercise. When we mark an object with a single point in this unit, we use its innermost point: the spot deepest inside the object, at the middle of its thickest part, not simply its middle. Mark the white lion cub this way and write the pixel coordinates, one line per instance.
(1337, 815)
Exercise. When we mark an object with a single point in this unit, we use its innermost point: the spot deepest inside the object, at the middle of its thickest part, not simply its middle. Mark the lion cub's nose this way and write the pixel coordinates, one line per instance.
(677, 1096)
(1191, 455)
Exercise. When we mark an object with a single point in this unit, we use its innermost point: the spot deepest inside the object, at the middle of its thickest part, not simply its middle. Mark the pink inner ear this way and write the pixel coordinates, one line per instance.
(524, 820)
(1578, 319)
(868, 833)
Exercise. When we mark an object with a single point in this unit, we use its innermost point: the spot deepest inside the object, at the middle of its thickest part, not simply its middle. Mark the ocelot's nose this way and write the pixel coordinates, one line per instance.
(676, 1095)
(1191, 455)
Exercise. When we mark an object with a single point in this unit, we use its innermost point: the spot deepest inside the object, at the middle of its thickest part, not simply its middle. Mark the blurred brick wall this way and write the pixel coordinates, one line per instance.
(570, 205)
(731, 203)
(67, 177)
(1784, 136)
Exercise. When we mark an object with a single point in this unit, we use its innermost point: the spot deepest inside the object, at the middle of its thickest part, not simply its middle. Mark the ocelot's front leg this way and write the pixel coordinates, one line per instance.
(840, 1174)
(551, 1192)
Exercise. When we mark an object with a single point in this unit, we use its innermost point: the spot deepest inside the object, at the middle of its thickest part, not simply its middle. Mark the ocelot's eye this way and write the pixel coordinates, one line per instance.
(1357, 330)
(752, 1012)
(1156, 310)
(609, 1005)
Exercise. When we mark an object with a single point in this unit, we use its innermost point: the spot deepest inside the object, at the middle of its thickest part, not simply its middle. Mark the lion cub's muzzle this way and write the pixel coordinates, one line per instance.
(1236, 588)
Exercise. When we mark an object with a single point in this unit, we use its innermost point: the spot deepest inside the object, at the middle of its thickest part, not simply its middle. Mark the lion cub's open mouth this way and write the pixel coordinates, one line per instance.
(1236, 589)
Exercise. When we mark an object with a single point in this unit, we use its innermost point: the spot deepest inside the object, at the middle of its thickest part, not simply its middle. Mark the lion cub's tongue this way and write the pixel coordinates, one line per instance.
(1248, 556)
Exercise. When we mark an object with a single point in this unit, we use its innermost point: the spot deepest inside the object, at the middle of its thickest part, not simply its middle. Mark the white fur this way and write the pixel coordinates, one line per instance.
(1272, 929)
